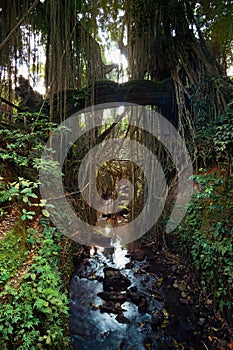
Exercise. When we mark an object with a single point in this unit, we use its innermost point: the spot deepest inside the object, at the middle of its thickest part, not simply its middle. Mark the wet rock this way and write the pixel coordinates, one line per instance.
(99, 279)
(102, 335)
(156, 294)
(113, 296)
(142, 307)
(146, 279)
(86, 262)
(111, 308)
(129, 265)
(134, 295)
(86, 253)
(93, 306)
(122, 319)
(138, 255)
(157, 319)
(114, 280)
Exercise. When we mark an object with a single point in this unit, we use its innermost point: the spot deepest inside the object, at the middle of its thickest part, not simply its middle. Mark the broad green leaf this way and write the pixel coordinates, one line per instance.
(45, 213)
(33, 276)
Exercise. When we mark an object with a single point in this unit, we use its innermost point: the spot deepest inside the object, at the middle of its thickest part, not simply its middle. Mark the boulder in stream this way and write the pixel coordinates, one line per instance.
(111, 308)
(134, 295)
(114, 280)
(122, 319)
(116, 297)
(142, 307)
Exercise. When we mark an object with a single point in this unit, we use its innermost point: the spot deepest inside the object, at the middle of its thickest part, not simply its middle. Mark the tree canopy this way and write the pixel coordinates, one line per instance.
(181, 40)
(148, 30)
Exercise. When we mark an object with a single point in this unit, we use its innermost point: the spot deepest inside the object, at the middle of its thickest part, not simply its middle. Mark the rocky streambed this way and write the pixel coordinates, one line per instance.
(140, 299)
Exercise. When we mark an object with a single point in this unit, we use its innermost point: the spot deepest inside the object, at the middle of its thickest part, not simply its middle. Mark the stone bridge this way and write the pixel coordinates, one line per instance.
(70, 101)
(141, 92)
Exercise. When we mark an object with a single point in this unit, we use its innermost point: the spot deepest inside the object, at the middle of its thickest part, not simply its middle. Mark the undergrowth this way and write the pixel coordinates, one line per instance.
(34, 309)
(35, 314)
(13, 252)
(207, 234)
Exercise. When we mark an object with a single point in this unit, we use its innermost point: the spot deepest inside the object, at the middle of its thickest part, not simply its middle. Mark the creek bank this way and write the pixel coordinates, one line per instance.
(140, 300)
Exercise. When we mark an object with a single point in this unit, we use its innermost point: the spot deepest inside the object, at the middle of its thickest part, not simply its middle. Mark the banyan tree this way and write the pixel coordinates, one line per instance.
(160, 39)
(63, 34)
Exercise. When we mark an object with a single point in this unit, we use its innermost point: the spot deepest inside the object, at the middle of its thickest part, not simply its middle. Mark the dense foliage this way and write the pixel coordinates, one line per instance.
(34, 313)
(34, 306)
(206, 234)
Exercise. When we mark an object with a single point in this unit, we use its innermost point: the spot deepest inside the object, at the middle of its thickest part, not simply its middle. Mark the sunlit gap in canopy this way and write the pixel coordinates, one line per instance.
(32, 64)
(113, 54)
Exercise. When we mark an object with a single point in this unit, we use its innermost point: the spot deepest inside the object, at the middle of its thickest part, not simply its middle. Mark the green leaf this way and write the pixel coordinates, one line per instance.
(43, 202)
(48, 340)
(33, 195)
(33, 276)
(26, 190)
(45, 213)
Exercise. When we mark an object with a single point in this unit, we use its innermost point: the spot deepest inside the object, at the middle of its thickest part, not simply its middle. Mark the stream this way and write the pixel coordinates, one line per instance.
(118, 301)
(132, 297)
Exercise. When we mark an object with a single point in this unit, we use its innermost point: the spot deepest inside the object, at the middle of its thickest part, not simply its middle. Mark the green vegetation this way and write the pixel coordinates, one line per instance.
(22, 192)
(207, 235)
(13, 252)
(213, 135)
(34, 315)
(34, 306)
(207, 231)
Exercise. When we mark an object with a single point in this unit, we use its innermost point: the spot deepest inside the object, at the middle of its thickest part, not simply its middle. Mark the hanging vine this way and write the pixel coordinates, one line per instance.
(164, 41)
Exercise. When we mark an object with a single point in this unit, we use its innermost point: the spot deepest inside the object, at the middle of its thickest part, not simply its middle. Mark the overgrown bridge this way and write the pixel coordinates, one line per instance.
(66, 103)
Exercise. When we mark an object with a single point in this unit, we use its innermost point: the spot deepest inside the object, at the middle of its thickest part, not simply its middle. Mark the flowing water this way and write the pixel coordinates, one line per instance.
(117, 302)
(92, 329)
(136, 315)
